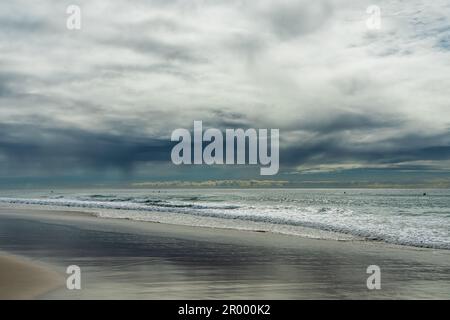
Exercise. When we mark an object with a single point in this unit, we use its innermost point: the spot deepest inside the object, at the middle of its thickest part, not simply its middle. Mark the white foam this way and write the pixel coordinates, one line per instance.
(415, 230)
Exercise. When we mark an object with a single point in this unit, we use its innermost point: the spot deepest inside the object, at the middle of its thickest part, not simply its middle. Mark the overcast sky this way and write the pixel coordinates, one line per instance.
(105, 99)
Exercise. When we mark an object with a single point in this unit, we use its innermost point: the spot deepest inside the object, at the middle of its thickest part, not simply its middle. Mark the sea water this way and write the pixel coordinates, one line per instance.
(408, 217)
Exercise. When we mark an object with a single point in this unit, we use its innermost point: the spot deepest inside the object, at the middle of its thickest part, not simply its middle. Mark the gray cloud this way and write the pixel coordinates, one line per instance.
(49, 149)
(350, 121)
(109, 95)
(295, 18)
(22, 25)
(147, 45)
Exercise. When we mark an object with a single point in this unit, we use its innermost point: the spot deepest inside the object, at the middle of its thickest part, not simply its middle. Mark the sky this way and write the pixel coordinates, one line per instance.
(98, 105)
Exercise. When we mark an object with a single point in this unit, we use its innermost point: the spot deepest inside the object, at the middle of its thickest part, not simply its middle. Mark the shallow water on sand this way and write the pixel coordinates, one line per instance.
(130, 260)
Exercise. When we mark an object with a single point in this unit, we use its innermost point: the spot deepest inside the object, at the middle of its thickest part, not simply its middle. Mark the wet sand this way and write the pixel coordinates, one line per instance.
(21, 279)
(123, 259)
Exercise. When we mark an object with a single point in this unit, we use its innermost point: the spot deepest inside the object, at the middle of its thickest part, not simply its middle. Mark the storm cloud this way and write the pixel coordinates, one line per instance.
(108, 96)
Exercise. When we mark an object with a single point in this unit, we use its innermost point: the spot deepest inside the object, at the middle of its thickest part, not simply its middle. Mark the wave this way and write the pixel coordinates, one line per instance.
(330, 219)
(118, 204)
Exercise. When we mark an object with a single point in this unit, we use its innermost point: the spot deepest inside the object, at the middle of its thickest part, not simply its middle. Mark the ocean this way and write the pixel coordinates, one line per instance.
(418, 218)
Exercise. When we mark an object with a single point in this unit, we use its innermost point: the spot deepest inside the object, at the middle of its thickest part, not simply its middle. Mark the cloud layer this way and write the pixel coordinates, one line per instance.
(110, 94)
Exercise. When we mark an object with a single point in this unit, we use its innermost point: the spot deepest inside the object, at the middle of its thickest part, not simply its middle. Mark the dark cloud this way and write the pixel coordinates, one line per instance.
(335, 149)
(10, 83)
(290, 19)
(110, 94)
(163, 68)
(22, 24)
(49, 149)
(151, 46)
(250, 46)
(350, 121)
(229, 119)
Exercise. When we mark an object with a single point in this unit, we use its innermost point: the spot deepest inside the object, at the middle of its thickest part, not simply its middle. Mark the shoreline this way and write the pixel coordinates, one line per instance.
(252, 226)
(210, 222)
(77, 215)
(134, 260)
